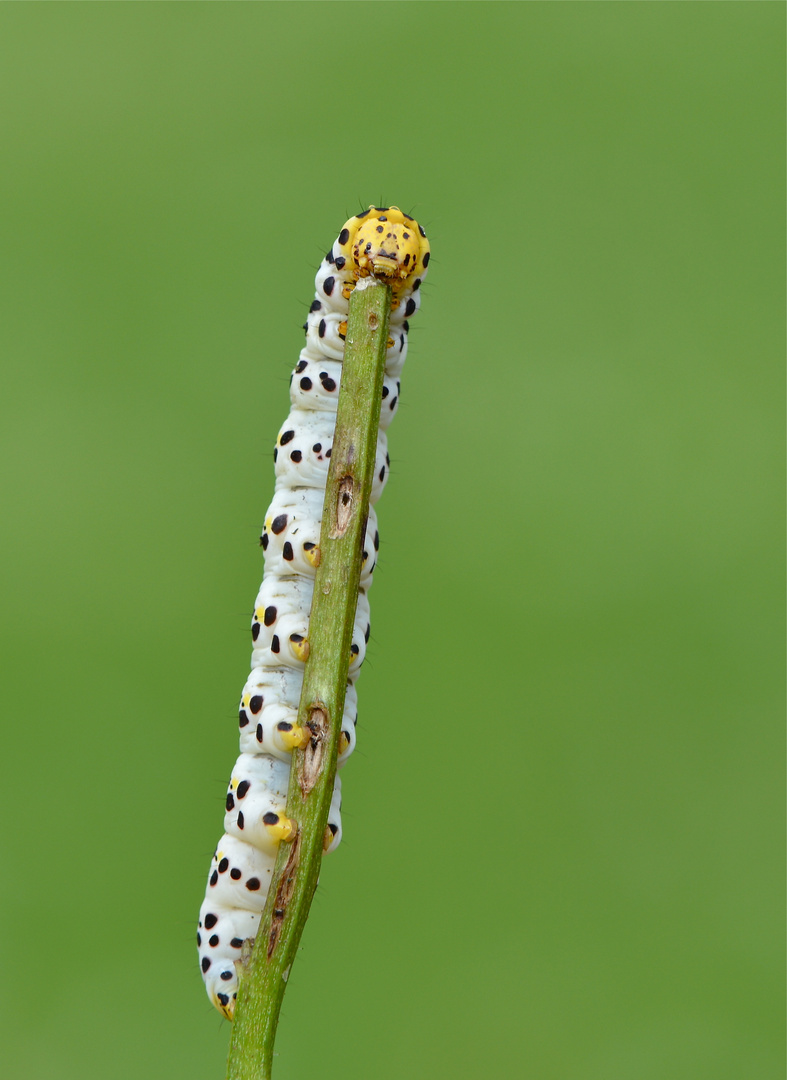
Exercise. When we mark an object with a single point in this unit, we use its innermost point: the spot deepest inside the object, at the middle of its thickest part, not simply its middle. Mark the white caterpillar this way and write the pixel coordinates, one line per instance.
(386, 243)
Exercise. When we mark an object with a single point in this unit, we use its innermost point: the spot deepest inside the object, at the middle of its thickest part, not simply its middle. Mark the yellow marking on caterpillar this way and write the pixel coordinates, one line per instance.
(228, 1010)
(301, 649)
(295, 739)
(313, 554)
(284, 829)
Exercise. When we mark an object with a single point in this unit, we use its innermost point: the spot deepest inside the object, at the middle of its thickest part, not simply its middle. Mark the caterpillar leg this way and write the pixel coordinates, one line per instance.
(279, 826)
(300, 647)
(293, 736)
(313, 553)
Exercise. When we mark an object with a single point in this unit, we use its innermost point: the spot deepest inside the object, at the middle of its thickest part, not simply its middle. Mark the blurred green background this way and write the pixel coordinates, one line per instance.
(563, 823)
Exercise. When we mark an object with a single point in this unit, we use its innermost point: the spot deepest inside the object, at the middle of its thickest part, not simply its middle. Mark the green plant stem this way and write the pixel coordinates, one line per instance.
(321, 707)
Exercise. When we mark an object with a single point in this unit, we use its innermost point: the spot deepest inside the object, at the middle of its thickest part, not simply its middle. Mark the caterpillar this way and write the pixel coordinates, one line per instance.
(384, 242)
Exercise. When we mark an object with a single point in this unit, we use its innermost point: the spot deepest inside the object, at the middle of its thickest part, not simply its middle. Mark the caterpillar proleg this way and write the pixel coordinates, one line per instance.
(385, 243)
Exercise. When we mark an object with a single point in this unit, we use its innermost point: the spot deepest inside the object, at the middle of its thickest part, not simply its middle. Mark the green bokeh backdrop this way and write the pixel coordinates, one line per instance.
(563, 822)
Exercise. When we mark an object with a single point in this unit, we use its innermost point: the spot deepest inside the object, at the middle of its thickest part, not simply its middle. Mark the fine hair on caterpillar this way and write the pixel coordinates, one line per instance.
(382, 243)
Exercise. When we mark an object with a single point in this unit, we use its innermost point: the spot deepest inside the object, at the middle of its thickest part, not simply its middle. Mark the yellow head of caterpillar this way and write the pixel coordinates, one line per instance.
(388, 244)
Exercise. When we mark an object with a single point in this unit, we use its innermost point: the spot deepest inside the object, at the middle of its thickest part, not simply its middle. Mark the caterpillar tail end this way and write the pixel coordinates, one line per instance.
(227, 1010)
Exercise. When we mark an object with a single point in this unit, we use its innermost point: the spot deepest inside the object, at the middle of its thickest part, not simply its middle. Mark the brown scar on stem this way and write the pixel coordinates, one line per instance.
(284, 893)
(245, 953)
(344, 507)
(314, 753)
